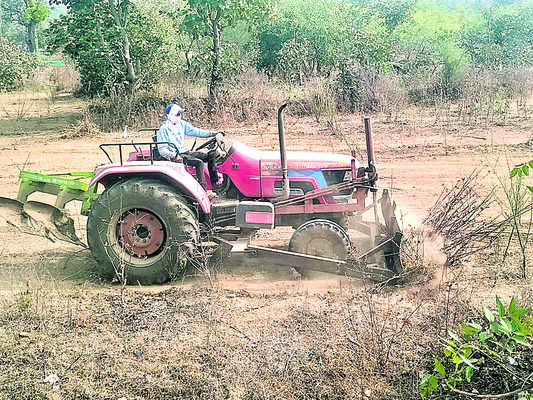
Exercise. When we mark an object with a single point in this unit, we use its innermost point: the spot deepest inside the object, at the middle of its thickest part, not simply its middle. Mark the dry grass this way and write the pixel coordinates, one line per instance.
(211, 343)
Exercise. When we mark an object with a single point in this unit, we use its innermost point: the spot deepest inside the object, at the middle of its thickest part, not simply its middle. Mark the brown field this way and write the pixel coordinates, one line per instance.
(253, 332)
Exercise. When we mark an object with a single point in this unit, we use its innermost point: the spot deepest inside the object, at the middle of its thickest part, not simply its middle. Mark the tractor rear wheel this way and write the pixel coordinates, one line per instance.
(322, 238)
(143, 231)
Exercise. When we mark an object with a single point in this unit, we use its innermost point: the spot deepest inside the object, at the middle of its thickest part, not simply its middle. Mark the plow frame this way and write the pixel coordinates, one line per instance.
(65, 189)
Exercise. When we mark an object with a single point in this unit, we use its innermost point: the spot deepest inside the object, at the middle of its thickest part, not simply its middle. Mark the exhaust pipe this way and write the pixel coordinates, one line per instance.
(372, 172)
(369, 143)
(283, 155)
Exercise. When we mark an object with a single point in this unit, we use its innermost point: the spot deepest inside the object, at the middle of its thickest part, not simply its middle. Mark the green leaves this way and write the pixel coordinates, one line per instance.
(469, 371)
(522, 170)
(205, 21)
(14, 65)
(439, 368)
(501, 308)
(428, 383)
(496, 337)
(489, 316)
(36, 11)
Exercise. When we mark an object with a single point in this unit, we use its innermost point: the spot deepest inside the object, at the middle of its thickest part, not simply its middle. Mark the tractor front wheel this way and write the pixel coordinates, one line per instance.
(322, 238)
(143, 231)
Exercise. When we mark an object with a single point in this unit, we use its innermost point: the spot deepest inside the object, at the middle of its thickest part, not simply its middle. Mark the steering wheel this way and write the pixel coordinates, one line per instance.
(212, 144)
(209, 144)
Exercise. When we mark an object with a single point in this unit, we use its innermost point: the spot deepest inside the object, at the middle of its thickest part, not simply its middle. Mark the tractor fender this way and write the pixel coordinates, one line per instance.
(174, 174)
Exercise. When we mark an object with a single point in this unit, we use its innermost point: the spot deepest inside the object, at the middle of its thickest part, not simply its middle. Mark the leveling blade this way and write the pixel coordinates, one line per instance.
(56, 223)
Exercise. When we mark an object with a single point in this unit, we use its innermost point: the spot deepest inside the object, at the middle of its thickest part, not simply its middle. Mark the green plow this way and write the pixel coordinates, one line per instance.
(41, 219)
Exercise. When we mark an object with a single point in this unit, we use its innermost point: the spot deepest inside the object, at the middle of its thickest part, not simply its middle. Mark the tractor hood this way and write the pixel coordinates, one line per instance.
(296, 160)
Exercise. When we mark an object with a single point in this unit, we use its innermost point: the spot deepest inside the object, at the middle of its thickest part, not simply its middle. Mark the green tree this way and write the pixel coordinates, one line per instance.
(25, 14)
(209, 18)
(394, 11)
(331, 34)
(34, 13)
(115, 43)
(502, 36)
(430, 40)
(11, 26)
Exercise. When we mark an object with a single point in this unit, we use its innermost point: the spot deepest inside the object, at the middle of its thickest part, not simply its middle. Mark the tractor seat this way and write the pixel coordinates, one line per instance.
(155, 152)
(158, 157)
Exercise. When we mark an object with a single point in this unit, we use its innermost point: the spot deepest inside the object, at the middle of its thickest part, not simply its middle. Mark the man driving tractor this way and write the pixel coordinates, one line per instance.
(174, 130)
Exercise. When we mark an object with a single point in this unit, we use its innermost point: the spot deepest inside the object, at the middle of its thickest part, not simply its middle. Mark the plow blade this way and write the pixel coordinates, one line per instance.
(353, 267)
(55, 222)
(391, 247)
(38, 219)
(12, 214)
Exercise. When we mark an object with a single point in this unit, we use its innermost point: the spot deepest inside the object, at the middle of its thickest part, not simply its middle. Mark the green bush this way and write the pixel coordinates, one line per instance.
(491, 356)
(14, 65)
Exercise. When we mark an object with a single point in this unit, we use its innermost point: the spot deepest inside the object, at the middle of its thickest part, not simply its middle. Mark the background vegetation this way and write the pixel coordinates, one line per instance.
(350, 55)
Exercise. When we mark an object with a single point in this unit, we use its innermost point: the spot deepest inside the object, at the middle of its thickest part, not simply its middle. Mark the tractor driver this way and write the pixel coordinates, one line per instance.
(174, 130)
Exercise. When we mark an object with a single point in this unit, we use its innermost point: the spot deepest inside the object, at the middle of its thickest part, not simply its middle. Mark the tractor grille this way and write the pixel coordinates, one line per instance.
(333, 176)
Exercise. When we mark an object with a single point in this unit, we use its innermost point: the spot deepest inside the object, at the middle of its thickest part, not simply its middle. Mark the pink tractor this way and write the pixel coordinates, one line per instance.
(148, 217)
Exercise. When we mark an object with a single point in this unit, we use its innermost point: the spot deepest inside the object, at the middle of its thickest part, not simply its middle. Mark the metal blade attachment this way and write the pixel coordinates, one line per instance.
(55, 223)
(12, 214)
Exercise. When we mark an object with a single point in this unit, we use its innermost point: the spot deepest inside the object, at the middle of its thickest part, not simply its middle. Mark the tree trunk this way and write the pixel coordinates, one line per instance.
(120, 22)
(33, 45)
(187, 55)
(215, 68)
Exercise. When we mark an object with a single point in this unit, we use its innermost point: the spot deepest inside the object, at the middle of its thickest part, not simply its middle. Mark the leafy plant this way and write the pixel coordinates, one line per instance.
(34, 13)
(494, 345)
(25, 300)
(115, 43)
(522, 170)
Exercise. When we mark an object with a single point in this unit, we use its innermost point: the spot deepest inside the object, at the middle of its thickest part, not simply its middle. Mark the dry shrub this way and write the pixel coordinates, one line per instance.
(361, 89)
(84, 127)
(60, 78)
(323, 102)
(474, 87)
(249, 98)
(419, 254)
(486, 95)
(121, 108)
(460, 216)
(424, 87)
(520, 84)
(390, 94)
(246, 98)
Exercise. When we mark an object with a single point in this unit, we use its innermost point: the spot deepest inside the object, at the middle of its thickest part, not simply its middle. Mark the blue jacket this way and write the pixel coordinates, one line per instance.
(175, 133)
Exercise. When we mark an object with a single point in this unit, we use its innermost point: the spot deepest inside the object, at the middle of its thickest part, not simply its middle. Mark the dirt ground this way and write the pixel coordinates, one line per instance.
(251, 332)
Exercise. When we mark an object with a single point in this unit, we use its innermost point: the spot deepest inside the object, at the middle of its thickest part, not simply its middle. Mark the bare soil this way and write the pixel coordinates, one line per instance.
(248, 332)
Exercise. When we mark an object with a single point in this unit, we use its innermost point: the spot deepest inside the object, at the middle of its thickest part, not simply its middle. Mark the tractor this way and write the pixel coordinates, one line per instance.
(148, 216)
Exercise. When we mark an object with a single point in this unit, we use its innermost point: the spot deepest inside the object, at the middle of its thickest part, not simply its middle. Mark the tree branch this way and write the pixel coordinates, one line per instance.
(489, 396)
